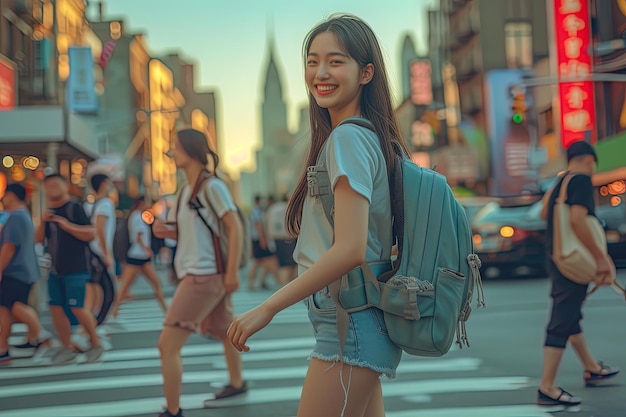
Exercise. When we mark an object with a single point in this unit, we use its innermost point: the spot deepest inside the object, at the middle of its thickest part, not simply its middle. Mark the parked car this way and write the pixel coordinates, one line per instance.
(510, 239)
(613, 217)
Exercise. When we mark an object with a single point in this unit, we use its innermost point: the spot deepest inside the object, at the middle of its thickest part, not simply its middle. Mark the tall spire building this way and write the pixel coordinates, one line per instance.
(274, 174)
(408, 55)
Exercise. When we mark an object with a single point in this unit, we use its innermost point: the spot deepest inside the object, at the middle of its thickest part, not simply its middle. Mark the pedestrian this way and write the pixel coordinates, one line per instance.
(101, 258)
(567, 295)
(202, 301)
(19, 270)
(261, 251)
(139, 259)
(67, 231)
(285, 244)
(346, 78)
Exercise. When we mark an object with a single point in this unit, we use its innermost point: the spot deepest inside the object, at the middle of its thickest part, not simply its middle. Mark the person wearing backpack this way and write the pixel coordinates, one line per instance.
(209, 232)
(101, 260)
(346, 78)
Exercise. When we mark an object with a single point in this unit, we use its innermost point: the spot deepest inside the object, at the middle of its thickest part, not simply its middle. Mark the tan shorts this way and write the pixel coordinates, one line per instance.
(201, 305)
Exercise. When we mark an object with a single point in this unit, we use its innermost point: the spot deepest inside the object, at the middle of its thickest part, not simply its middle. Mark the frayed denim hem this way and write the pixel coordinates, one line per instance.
(385, 373)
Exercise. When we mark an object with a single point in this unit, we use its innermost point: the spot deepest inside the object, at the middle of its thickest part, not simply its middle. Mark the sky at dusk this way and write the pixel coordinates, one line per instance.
(227, 39)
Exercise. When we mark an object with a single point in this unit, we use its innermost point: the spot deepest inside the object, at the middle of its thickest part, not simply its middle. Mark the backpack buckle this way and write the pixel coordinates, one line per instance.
(312, 181)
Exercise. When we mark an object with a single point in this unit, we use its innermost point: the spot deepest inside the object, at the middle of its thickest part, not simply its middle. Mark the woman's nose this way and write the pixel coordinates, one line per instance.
(322, 72)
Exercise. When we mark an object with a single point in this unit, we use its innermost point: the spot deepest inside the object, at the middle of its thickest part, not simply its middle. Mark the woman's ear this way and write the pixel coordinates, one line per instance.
(367, 73)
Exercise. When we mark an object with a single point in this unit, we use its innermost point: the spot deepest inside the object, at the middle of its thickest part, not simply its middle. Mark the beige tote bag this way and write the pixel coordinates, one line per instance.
(570, 255)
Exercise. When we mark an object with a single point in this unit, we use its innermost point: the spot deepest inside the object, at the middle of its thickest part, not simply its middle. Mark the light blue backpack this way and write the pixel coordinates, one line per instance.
(425, 294)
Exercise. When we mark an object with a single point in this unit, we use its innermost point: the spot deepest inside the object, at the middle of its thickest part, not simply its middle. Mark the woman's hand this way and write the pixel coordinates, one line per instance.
(231, 281)
(248, 324)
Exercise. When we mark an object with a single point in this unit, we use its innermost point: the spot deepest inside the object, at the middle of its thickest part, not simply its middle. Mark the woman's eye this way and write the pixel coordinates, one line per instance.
(311, 62)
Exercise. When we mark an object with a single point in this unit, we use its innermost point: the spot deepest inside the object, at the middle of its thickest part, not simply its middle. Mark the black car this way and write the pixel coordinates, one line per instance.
(510, 239)
(613, 217)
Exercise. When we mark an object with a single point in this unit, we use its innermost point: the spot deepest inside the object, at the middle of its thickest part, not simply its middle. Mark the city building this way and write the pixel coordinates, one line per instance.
(609, 37)
(274, 174)
(488, 49)
(526, 55)
(48, 101)
(123, 128)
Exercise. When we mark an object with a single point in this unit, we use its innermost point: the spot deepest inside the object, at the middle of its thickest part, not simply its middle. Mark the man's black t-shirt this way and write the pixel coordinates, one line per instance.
(69, 254)
(579, 193)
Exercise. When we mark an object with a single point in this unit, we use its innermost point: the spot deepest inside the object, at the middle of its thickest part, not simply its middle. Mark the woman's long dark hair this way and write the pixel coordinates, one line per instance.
(360, 43)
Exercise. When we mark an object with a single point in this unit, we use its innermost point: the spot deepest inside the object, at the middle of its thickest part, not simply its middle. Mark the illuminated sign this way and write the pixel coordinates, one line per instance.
(421, 85)
(8, 88)
(573, 39)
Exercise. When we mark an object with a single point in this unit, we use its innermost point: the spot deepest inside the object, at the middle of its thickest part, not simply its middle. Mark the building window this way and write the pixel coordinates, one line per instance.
(518, 44)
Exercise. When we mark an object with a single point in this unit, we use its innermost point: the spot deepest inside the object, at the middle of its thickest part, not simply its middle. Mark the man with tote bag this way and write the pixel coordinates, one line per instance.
(568, 294)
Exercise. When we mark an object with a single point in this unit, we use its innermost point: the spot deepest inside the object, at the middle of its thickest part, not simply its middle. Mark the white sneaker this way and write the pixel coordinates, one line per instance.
(64, 357)
(94, 354)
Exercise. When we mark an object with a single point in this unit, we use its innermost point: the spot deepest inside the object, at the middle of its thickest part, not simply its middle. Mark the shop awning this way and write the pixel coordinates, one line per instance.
(611, 152)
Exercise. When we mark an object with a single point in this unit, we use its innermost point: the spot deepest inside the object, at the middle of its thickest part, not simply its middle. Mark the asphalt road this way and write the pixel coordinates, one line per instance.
(496, 377)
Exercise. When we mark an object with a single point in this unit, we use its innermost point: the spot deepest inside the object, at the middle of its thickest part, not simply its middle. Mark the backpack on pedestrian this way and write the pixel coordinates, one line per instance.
(425, 294)
(220, 237)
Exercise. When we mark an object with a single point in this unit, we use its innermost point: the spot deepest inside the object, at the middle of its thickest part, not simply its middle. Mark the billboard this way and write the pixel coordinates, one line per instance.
(8, 84)
(572, 36)
(509, 142)
(81, 84)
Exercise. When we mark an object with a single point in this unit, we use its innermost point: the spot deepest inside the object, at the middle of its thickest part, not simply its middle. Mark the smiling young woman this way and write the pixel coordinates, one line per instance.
(346, 78)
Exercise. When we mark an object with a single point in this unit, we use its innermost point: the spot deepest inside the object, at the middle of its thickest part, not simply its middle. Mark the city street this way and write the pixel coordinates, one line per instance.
(496, 377)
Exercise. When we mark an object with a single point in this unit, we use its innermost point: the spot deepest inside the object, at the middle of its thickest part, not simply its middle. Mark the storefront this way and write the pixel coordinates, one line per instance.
(36, 140)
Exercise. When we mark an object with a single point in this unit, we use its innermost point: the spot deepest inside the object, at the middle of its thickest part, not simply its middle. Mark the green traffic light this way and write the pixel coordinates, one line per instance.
(518, 118)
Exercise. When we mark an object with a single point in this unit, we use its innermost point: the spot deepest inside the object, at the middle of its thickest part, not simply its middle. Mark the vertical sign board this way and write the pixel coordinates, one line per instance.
(572, 35)
(421, 84)
(8, 84)
(81, 85)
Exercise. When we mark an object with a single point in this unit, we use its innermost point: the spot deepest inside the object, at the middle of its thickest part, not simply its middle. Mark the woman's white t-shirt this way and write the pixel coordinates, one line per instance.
(103, 207)
(137, 226)
(195, 254)
(353, 152)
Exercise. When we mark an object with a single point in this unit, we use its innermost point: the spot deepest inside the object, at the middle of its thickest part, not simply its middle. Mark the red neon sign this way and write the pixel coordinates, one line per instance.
(573, 38)
(7, 85)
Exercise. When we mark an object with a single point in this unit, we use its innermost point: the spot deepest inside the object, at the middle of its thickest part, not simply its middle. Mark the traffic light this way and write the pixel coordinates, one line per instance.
(519, 108)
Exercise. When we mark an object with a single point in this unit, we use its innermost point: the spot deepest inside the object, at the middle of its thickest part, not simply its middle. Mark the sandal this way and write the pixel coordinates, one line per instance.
(543, 399)
(594, 378)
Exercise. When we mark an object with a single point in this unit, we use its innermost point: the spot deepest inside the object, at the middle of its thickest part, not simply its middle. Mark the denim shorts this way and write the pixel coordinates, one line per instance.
(367, 344)
(68, 290)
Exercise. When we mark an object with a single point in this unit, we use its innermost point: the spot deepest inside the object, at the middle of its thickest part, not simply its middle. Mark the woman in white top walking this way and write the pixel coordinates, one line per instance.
(139, 257)
(202, 302)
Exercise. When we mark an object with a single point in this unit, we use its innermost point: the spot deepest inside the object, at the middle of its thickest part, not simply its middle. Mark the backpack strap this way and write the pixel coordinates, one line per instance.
(396, 191)
(196, 204)
(328, 203)
(219, 255)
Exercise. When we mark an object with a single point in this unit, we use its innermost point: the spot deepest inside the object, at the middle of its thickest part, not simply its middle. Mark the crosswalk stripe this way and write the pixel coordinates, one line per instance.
(294, 372)
(271, 395)
(216, 362)
(491, 411)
